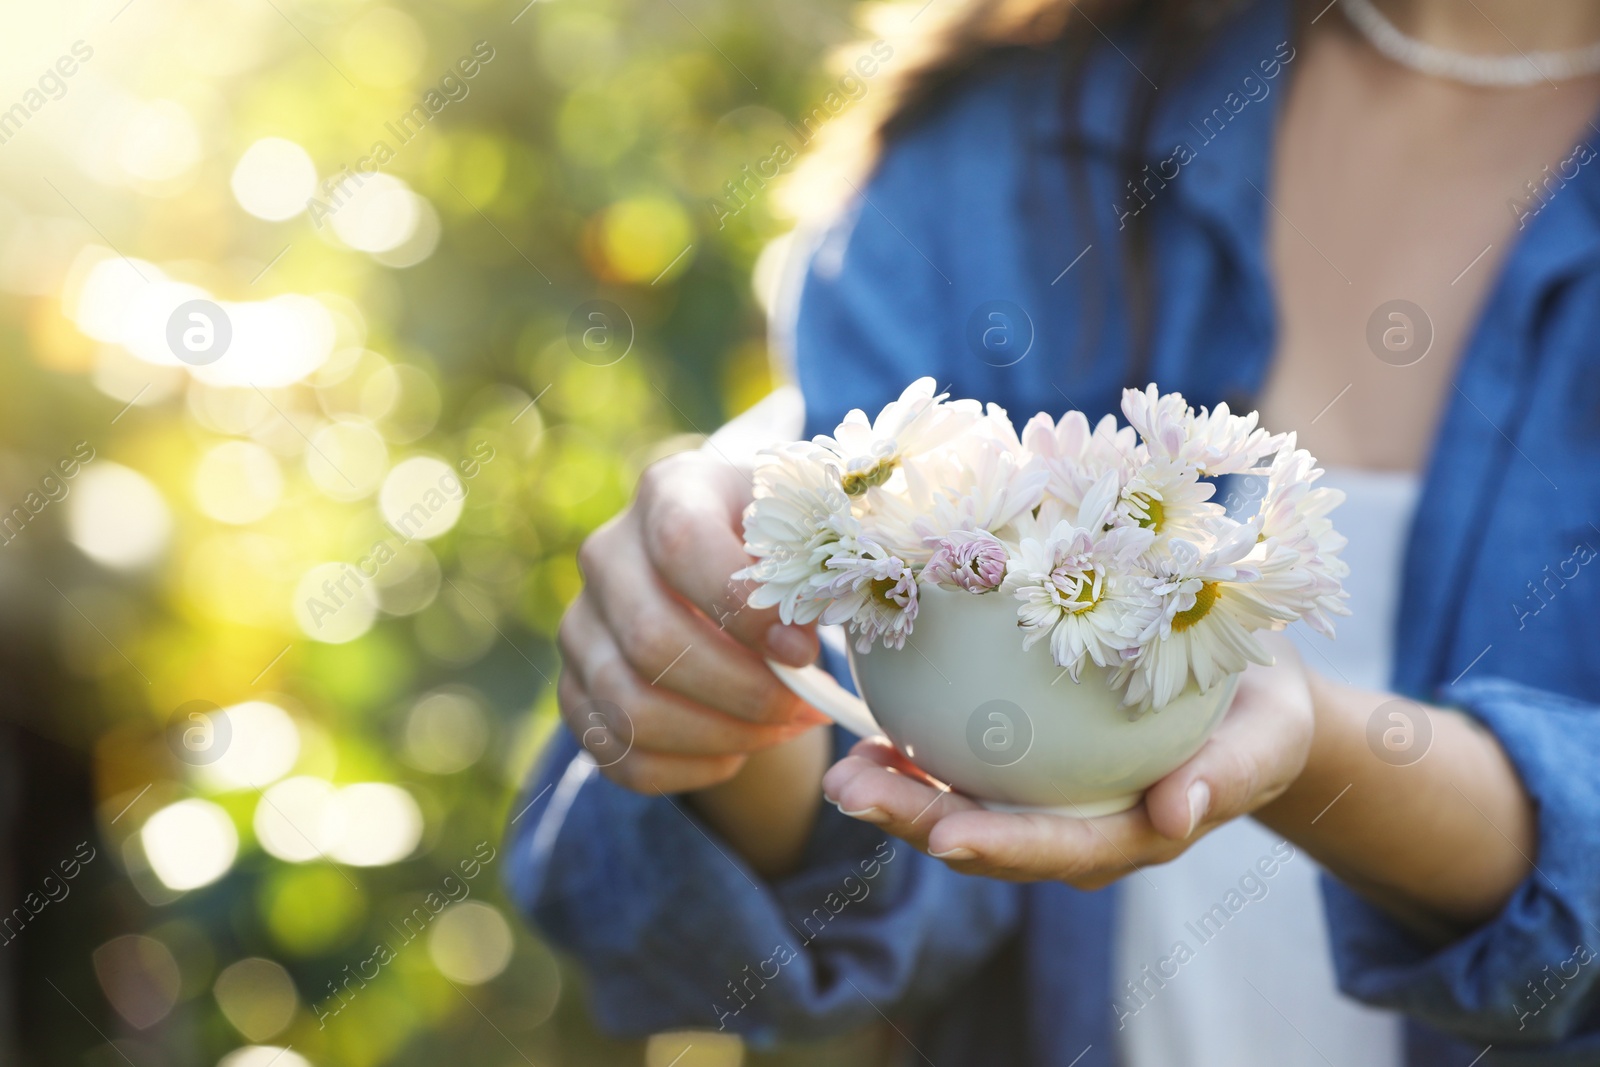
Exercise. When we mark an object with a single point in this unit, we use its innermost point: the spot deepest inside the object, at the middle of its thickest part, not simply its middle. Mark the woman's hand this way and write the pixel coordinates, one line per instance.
(1255, 754)
(663, 678)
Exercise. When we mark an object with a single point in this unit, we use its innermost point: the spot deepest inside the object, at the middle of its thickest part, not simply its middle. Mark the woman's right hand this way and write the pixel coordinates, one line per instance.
(663, 678)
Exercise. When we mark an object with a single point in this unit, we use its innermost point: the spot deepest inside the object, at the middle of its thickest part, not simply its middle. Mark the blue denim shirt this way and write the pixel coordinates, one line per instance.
(1498, 613)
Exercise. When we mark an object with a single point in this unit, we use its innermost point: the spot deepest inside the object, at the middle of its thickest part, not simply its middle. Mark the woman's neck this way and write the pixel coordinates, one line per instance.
(1497, 27)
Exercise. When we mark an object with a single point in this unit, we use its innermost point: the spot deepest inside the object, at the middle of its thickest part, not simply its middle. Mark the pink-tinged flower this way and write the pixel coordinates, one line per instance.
(872, 591)
(973, 560)
(1221, 442)
(1301, 572)
(1080, 585)
(1214, 442)
(1077, 457)
(1162, 420)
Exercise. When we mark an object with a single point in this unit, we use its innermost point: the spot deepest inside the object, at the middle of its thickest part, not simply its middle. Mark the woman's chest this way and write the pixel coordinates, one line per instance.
(1395, 200)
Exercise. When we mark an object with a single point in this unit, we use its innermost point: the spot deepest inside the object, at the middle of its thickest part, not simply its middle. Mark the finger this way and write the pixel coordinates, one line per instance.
(654, 774)
(671, 645)
(881, 751)
(692, 520)
(643, 771)
(647, 717)
(1256, 751)
(876, 784)
(1087, 853)
(903, 805)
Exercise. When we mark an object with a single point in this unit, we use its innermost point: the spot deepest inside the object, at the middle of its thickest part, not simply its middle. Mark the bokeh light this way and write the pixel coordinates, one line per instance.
(158, 141)
(354, 528)
(381, 824)
(238, 482)
(300, 819)
(101, 288)
(189, 844)
(410, 581)
(645, 236)
(419, 243)
(311, 910)
(422, 498)
(445, 732)
(276, 342)
(257, 996)
(470, 942)
(263, 744)
(365, 824)
(263, 1056)
(117, 516)
(694, 1048)
(347, 460)
(273, 179)
(377, 212)
(334, 603)
(139, 978)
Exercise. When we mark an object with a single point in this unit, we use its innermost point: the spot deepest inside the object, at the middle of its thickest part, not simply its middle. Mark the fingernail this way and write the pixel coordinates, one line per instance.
(876, 816)
(789, 644)
(957, 853)
(1199, 801)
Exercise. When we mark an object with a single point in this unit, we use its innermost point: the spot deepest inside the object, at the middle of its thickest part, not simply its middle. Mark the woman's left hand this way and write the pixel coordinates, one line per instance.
(1255, 754)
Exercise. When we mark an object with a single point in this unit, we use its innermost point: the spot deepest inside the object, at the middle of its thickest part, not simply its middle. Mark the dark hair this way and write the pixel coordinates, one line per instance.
(952, 38)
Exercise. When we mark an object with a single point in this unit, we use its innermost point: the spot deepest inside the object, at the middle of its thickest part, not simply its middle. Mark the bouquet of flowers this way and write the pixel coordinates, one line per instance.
(1106, 537)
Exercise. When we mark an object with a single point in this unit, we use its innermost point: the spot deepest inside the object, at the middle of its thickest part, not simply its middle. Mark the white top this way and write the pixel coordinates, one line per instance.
(1230, 962)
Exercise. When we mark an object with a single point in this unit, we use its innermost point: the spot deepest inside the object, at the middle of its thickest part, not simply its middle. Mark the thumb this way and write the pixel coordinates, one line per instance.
(1253, 756)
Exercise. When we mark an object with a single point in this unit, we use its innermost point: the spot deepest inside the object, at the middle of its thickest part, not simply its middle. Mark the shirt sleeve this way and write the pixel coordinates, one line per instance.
(673, 929)
(670, 926)
(1531, 975)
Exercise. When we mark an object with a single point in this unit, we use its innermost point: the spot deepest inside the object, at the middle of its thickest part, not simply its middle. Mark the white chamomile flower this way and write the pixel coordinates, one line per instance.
(1168, 498)
(1301, 572)
(1214, 442)
(1161, 419)
(1076, 457)
(1220, 442)
(1203, 627)
(800, 517)
(920, 421)
(1076, 586)
(981, 480)
(874, 592)
(985, 485)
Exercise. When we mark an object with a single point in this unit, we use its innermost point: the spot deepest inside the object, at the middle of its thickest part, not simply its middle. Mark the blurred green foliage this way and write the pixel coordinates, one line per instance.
(579, 163)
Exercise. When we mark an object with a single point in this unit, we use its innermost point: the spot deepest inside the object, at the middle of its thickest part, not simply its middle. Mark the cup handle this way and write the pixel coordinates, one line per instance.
(822, 691)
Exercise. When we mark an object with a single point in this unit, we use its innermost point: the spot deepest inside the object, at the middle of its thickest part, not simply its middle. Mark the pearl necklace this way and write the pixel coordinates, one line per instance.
(1501, 71)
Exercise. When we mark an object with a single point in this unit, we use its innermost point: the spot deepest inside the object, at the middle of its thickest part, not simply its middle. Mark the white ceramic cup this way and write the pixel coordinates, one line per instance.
(967, 704)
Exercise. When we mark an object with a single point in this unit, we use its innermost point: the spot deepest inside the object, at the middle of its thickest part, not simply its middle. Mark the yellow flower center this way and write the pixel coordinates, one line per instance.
(1154, 512)
(880, 589)
(1204, 601)
(1079, 597)
(858, 482)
